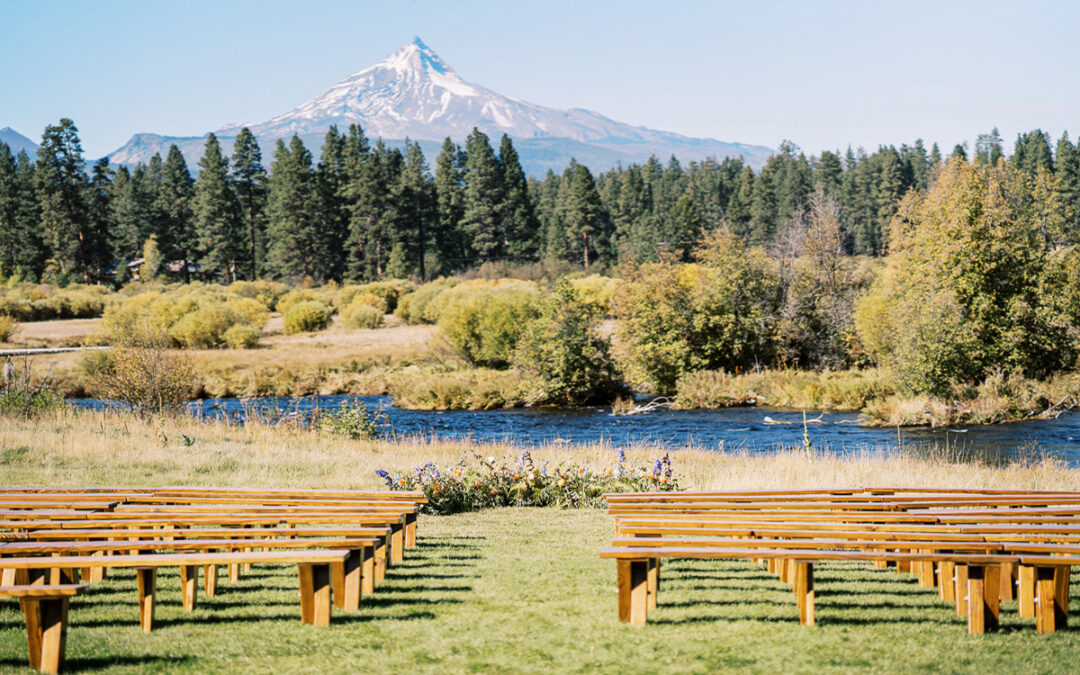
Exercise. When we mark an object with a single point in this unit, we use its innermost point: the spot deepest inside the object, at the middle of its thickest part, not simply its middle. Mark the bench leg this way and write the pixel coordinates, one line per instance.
(1026, 592)
(210, 572)
(380, 558)
(96, 574)
(983, 588)
(960, 585)
(410, 530)
(397, 543)
(946, 584)
(1008, 578)
(315, 593)
(32, 614)
(146, 579)
(1051, 598)
(804, 591)
(234, 572)
(7, 577)
(53, 633)
(633, 583)
(189, 580)
(367, 573)
(653, 578)
(350, 584)
(881, 564)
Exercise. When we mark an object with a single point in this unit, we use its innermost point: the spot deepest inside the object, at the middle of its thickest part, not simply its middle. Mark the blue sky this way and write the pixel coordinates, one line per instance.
(823, 74)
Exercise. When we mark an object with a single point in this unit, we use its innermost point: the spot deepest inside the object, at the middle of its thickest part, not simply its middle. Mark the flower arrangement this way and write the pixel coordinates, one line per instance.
(476, 482)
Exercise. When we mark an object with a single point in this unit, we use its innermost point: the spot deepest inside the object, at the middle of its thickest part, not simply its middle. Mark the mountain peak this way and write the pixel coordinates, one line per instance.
(415, 57)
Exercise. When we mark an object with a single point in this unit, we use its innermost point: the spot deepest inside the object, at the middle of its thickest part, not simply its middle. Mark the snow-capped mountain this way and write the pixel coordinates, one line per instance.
(17, 142)
(414, 94)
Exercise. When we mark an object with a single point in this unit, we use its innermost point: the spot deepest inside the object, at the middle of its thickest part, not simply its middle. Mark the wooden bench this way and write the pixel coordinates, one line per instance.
(637, 583)
(348, 587)
(314, 568)
(45, 609)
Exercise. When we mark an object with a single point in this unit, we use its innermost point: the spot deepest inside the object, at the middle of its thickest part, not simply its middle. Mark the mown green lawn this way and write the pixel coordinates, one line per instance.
(523, 591)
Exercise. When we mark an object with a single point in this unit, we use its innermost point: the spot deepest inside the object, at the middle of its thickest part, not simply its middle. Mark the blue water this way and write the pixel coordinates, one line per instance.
(729, 429)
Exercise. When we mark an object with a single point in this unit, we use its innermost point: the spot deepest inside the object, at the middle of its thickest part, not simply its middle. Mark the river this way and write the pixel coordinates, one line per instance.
(730, 429)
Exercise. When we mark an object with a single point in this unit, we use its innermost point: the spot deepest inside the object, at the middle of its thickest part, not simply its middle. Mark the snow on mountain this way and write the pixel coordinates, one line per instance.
(17, 142)
(414, 94)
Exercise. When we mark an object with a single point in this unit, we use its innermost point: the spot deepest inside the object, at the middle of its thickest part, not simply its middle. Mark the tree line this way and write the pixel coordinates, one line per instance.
(363, 210)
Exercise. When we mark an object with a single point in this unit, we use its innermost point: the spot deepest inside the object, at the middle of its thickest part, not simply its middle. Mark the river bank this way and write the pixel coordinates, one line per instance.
(73, 447)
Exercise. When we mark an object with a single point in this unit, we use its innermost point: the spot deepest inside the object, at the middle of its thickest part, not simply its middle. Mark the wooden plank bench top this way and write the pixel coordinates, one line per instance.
(633, 553)
(37, 547)
(208, 519)
(411, 495)
(236, 533)
(178, 559)
(150, 500)
(782, 531)
(261, 509)
(805, 544)
(40, 591)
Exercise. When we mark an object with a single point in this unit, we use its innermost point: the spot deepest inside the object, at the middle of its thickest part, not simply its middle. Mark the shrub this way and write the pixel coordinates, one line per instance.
(295, 297)
(143, 374)
(387, 293)
(23, 396)
(205, 327)
(413, 307)
(306, 317)
(243, 336)
(561, 348)
(352, 420)
(249, 311)
(359, 314)
(484, 325)
(476, 483)
(9, 326)
(716, 314)
(596, 291)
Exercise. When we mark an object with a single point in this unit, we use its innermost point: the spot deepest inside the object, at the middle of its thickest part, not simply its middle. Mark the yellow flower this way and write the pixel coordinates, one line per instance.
(561, 483)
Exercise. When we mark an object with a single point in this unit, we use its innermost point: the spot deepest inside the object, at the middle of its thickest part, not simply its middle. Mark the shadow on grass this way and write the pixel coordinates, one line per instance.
(91, 663)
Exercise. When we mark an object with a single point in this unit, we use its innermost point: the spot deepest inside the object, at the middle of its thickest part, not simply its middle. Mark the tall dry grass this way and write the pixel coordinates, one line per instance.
(81, 448)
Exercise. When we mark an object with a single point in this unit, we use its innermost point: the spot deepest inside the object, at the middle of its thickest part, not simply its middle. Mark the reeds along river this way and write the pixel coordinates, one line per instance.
(732, 429)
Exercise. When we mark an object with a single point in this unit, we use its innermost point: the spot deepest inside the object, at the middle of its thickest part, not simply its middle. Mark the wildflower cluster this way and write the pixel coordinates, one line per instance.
(476, 482)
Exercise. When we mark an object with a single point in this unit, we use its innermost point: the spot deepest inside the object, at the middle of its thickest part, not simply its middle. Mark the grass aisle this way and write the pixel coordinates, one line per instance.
(522, 590)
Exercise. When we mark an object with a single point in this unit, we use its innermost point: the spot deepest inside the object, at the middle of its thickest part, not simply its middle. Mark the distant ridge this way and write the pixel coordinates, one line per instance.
(17, 141)
(414, 94)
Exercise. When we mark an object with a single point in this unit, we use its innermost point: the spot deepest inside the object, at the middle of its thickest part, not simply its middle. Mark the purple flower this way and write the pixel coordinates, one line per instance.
(622, 456)
(657, 468)
(385, 475)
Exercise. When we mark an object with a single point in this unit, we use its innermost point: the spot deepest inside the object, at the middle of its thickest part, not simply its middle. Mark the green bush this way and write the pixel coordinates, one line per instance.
(306, 317)
(562, 349)
(359, 314)
(243, 336)
(205, 327)
(413, 307)
(388, 293)
(9, 326)
(352, 420)
(484, 326)
(716, 314)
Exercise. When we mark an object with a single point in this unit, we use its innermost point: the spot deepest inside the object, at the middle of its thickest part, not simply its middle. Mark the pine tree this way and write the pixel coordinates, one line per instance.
(1067, 170)
(450, 206)
(480, 220)
(988, 149)
(61, 179)
(516, 211)
(249, 182)
(174, 226)
(20, 246)
(133, 211)
(414, 199)
(828, 173)
(583, 215)
(738, 211)
(333, 217)
(96, 251)
(1032, 152)
(685, 228)
(218, 227)
(292, 231)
